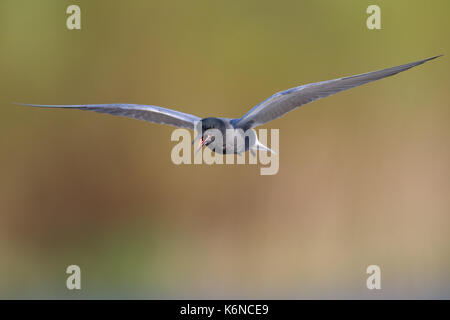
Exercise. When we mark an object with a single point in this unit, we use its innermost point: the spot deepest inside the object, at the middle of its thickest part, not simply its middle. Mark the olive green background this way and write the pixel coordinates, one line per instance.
(364, 175)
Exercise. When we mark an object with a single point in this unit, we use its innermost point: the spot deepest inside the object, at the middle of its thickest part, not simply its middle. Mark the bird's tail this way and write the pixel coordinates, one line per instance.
(259, 146)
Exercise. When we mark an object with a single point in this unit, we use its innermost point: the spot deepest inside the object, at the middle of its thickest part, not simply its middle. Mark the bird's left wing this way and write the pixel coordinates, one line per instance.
(136, 111)
(285, 101)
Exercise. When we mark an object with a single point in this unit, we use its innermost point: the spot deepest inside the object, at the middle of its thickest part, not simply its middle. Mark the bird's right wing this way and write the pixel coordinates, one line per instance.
(285, 101)
(136, 111)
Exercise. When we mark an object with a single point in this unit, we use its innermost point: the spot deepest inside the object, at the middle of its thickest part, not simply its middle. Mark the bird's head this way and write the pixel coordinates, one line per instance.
(210, 128)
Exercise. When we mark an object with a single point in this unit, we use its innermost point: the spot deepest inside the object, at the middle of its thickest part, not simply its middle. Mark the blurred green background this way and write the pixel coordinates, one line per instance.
(364, 175)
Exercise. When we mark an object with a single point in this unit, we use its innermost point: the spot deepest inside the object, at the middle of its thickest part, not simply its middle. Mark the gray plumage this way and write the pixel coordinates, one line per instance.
(268, 110)
(285, 101)
(136, 111)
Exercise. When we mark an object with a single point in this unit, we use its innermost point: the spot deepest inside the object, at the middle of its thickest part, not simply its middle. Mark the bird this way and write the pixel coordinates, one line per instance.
(239, 132)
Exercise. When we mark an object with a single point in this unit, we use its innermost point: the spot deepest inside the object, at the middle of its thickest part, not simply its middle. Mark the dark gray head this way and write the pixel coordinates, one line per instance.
(208, 126)
(213, 123)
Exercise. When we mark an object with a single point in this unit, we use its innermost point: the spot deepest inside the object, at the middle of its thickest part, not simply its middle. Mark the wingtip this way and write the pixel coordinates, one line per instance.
(36, 105)
(435, 57)
(425, 60)
(24, 104)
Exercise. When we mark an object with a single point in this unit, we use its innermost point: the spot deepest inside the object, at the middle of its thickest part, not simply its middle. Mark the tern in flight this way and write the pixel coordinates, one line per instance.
(268, 110)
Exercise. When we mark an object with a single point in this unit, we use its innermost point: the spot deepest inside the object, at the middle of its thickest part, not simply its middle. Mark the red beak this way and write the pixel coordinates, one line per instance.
(201, 142)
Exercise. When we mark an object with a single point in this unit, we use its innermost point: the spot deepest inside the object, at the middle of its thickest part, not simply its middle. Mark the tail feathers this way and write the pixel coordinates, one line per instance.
(259, 146)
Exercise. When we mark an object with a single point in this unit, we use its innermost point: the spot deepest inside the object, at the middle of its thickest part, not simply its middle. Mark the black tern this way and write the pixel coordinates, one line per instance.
(243, 136)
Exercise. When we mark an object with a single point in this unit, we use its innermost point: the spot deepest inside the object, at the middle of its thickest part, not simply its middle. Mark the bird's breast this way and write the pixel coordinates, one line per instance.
(234, 141)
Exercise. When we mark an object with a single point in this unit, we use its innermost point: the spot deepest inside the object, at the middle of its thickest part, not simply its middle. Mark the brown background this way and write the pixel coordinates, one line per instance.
(364, 175)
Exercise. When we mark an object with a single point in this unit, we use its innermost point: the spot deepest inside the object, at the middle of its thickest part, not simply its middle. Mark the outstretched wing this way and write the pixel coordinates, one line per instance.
(285, 101)
(136, 111)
